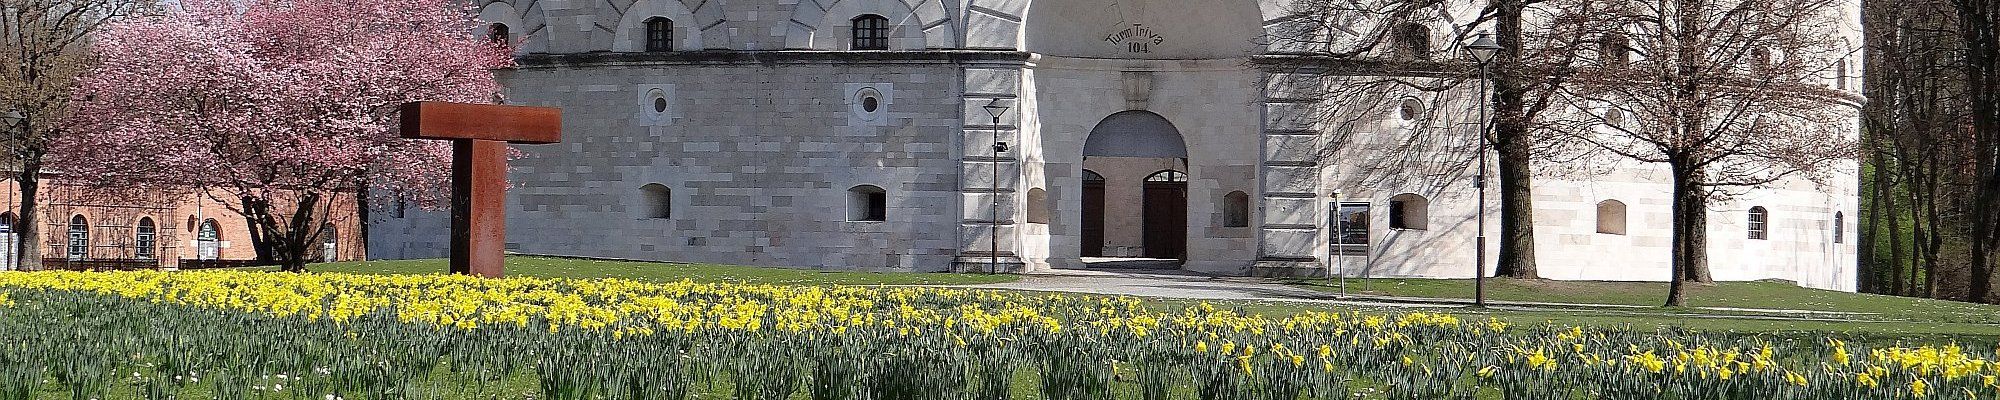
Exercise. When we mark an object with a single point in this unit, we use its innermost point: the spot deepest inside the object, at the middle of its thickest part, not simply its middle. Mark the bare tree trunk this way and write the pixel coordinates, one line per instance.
(361, 213)
(28, 228)
(1982, 49)
(1917, 234)
(298, 241)
(1937, 234)
(256, 212)
(1871, 268)
(1879, 272)
(1515, 143)
(1910, 164)
(289, 245)
(1903, 285)
(1690, 222)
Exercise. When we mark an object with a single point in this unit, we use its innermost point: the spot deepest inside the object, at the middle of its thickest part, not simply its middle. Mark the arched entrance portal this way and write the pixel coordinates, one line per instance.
(1134, 189)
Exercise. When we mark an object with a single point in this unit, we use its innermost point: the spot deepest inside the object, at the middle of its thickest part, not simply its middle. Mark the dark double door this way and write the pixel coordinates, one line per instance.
(1165, 220)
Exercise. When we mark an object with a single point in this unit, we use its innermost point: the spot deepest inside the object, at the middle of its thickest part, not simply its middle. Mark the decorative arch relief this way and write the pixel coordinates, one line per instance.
(925, 24)
(526, 28)
(692, 24)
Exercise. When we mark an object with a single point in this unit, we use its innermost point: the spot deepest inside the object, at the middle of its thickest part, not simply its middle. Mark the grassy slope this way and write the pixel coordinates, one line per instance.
(1648, 319)
(1877, 316)
(1760, 295)
(541, 267)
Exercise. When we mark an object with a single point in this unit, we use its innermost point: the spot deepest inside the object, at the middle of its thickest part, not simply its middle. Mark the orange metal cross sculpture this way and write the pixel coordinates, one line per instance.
(479, 135)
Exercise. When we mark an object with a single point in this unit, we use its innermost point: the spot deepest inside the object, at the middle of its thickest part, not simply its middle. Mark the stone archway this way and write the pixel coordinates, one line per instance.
(1139, 163)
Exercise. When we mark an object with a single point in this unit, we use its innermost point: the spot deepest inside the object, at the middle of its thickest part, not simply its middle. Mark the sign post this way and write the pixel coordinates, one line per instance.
(479, 134)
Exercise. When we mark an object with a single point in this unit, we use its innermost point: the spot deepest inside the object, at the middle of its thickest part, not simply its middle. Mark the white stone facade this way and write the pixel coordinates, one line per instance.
(763, 120)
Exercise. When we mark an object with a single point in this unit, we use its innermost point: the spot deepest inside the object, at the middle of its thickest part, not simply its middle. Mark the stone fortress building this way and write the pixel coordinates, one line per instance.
(854, 134)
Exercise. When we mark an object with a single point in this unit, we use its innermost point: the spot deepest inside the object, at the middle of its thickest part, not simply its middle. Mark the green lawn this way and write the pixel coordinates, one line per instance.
(1755, 295)
(546, 267)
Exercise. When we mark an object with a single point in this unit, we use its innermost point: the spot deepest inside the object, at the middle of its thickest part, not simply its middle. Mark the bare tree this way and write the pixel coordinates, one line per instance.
(1727, 94)
(1357, 60)
(1979, 32)
(1914, 125)
(43, 46)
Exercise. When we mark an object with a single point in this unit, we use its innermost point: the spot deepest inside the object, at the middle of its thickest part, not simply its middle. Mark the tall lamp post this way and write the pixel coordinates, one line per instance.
(12, 118)
(1482, 50)
(995, 109)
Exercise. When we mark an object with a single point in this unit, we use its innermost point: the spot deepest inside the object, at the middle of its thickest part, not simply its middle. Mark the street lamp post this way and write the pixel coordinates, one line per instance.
(13, 120)
(1482, 50)
(995, 109)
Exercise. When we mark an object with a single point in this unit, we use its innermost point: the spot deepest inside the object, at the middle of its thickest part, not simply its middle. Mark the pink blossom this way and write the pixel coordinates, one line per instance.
(276, 94)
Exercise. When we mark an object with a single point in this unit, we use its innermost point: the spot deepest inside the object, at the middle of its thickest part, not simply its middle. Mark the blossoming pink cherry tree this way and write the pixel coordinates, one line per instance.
(276, 107)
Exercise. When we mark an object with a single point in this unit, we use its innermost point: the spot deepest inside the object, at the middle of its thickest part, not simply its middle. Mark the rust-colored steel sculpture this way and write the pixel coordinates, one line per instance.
(479, 134)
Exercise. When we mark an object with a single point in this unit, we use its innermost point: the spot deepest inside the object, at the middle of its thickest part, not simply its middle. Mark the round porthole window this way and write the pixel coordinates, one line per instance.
(867, 103)
(1614, 117)
(656, 101)
(868, 100)
(1410, 109)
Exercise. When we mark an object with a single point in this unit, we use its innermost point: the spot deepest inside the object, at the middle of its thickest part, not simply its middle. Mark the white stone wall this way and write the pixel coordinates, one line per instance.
(759, 159)
(762, 139)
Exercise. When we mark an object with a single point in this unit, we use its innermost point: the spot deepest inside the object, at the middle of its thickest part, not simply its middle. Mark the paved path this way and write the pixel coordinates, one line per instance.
(1186, 285)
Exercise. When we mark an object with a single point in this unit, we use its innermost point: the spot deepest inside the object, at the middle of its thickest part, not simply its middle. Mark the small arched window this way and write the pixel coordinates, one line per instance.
(871, 32)
(497, 33)
(1760, 223)
(1840, 75)
(659, 201)
(329, 243)
(145, 239)
(1413, 42)
(1616, 50)
(1611, 217)
(1409, 211)
(1038, 206)
(1839, 227)
(79, 237)
(659, 34)
(1092, 176)
(1167, 176)
(867, 203)
(208, 241)
(1236, 209)
(7, 222)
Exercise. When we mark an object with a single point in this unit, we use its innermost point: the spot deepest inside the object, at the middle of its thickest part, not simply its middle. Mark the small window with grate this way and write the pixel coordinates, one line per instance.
(1760, 224)
(659, 34)
(871, 32)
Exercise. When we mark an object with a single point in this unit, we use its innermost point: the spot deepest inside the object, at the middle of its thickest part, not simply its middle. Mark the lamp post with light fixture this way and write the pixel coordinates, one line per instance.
(995, 109)
(13, 120)
(1482, 51)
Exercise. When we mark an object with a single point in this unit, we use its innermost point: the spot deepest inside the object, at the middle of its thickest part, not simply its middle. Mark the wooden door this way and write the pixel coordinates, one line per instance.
(1093, 218)
(1166, 220)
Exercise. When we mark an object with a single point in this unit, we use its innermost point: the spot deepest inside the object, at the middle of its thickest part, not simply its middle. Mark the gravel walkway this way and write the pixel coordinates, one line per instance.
(1185, 285)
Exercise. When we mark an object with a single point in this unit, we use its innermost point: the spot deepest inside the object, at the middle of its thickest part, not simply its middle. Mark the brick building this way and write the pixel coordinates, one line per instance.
(85, 231)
